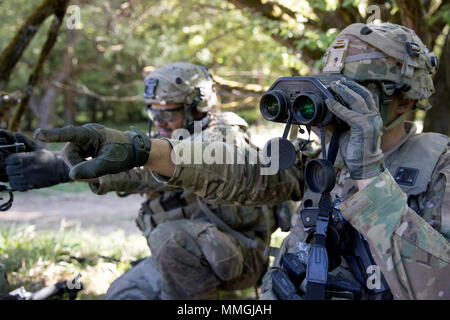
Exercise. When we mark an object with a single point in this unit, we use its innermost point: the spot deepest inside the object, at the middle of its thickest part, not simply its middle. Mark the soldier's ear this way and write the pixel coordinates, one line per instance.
(404, 105)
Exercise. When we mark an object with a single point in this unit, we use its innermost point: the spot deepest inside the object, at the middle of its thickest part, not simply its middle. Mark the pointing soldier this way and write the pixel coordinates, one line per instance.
(197, 247)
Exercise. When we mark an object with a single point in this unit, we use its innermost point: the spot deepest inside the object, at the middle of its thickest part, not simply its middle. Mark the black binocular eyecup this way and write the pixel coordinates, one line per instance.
(274, 106)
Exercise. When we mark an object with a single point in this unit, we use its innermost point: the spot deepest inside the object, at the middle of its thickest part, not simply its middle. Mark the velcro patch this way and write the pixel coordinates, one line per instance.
(406, 176)
(150, 87)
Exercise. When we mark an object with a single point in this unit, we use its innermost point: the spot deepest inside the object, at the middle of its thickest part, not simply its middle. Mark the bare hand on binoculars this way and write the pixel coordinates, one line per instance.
(360, 146)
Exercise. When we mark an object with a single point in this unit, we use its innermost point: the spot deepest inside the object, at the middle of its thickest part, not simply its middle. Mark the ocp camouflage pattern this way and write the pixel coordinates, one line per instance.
(392, 40)
(410, 247)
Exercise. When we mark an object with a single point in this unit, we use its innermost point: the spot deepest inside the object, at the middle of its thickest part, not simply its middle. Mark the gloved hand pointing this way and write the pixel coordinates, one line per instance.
(112, 151)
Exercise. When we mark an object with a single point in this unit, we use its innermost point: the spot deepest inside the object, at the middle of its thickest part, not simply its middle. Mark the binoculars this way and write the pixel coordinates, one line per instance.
(301, 101)
(300, 98)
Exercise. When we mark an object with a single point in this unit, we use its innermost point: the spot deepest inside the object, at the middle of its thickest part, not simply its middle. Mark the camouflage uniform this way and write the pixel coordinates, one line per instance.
(406, 222)
(191, 256)
(407, 227)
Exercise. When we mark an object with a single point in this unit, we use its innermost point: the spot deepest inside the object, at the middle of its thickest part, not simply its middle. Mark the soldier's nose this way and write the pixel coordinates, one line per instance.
(160, 123)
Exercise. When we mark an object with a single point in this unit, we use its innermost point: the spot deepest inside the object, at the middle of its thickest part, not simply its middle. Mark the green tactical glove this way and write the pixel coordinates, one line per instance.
(112, 151)
(360, 146)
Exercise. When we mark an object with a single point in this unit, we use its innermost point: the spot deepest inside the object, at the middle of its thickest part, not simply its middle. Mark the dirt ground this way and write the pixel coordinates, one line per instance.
(84, 210)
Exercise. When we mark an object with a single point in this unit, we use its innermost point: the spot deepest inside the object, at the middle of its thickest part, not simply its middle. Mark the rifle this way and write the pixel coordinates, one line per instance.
(56, 291)
(8, 146)
(5, 150)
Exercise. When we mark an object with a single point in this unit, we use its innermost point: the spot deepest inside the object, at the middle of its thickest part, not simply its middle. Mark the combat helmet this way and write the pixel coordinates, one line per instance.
(181, 82)
(391, 55)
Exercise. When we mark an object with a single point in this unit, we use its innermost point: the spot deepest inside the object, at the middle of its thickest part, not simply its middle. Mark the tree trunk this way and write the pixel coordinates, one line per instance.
(16, 47)
(412, 14)
(92, 107)
(69, 107)
(437, 119)
(49, 100)
(12, 53)
(52, 35)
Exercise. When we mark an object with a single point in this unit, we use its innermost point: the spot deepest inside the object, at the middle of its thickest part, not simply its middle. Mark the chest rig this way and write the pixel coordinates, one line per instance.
(174, 205)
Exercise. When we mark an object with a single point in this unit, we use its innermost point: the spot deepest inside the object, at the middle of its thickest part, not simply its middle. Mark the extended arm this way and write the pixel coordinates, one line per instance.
(244, 182)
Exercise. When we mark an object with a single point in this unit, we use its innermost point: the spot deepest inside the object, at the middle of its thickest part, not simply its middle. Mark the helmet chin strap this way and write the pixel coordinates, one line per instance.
(386, 92)
(397, 120)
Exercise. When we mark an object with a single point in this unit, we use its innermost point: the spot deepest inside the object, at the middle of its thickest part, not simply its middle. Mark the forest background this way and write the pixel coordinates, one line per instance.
(72, 62)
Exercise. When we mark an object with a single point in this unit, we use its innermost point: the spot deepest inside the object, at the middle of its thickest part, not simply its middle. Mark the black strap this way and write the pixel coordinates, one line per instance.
(317, 267)
(334, 146)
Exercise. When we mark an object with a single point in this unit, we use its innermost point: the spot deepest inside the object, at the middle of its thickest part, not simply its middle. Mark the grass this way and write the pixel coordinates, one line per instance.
(37, 258)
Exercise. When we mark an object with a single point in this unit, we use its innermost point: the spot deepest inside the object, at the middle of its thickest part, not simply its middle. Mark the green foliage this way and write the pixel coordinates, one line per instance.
(443, 15)
(119, 38)
(37, 258)
(348, 3)
(72, 187)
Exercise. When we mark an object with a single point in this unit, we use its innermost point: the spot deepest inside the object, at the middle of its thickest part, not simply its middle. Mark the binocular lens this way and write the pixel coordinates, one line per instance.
(274, 106)
(304, 108)
(271, 105)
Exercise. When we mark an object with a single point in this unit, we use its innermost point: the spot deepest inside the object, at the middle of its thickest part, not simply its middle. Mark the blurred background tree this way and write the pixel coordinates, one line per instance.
(95, 69)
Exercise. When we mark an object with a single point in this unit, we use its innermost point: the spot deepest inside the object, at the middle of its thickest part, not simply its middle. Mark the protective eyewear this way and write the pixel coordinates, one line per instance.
(163, 115)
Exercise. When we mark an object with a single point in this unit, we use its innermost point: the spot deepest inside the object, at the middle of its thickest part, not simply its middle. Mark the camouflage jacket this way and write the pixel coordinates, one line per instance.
(172, 202)
(406, 223)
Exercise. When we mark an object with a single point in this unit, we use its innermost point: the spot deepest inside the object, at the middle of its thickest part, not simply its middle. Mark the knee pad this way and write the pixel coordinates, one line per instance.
(222, 253)
(180, 261)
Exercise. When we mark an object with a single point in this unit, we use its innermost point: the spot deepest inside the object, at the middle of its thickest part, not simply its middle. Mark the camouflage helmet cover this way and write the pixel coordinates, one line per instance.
(181, 82)
(389, 52)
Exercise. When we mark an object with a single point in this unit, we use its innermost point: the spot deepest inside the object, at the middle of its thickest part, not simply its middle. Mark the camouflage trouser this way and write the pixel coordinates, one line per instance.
(195, 259)
(190, 260)
(142, 282)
